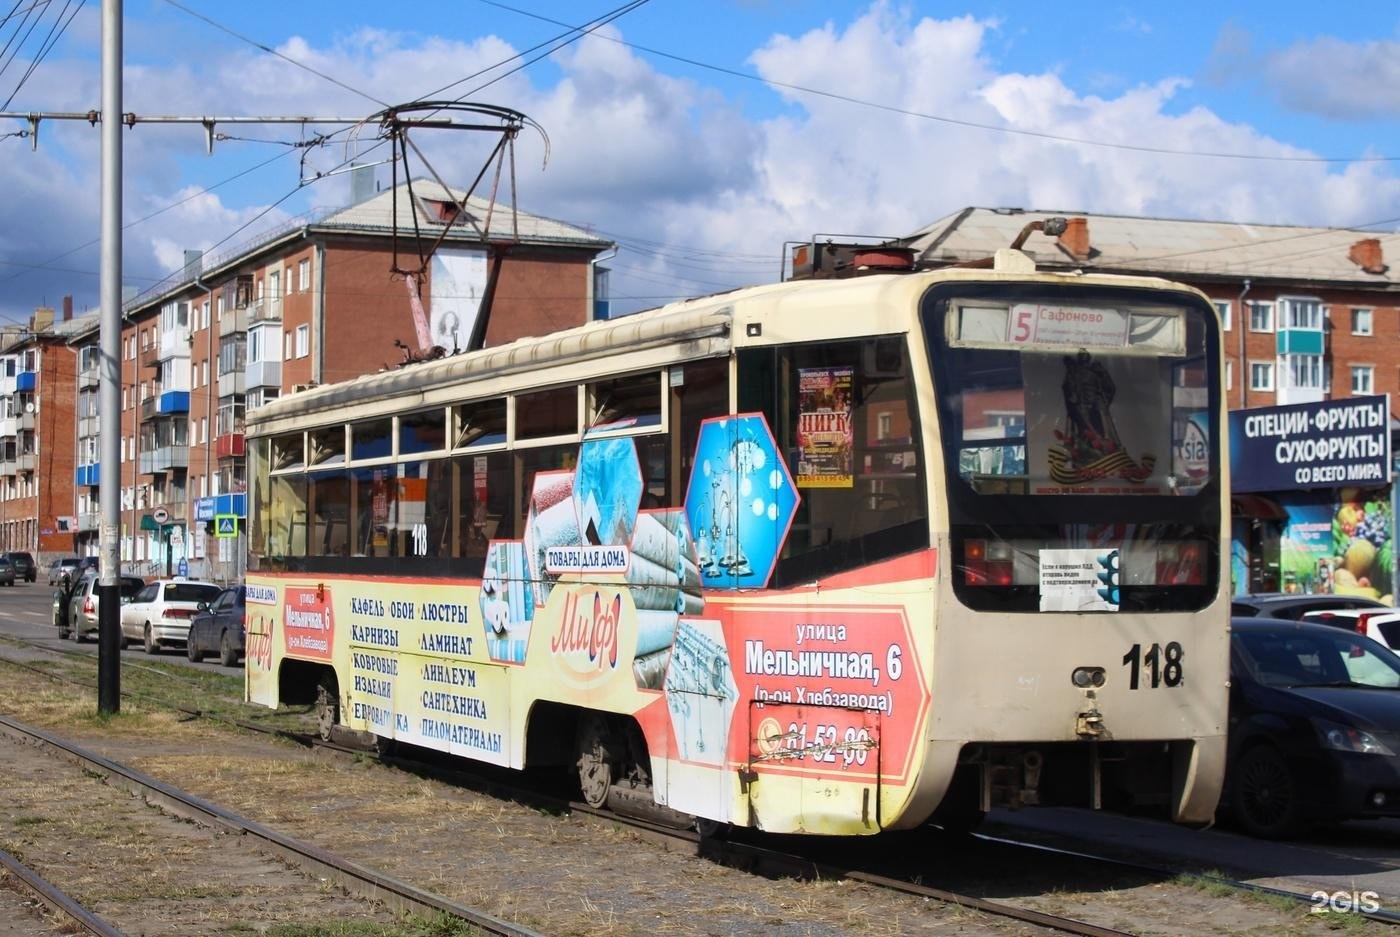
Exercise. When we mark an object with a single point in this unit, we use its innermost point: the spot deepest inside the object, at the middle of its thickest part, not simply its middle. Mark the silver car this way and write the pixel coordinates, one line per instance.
(83, 604)
(7, 571)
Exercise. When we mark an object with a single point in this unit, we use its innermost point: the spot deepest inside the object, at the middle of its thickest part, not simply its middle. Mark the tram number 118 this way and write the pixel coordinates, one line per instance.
(1163, 665)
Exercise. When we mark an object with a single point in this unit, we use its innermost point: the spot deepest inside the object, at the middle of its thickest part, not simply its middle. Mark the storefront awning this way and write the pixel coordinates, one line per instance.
(1256, 506)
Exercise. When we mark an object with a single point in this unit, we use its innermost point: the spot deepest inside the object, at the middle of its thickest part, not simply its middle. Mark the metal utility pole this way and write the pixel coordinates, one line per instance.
(110, 394)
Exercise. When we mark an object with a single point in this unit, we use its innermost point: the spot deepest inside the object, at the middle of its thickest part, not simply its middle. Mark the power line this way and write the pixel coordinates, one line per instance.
(271, 51)
(959, 122)
(46, 46)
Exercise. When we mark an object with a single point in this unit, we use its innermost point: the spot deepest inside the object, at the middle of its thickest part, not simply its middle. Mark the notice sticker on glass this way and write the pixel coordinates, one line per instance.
(1079, 580)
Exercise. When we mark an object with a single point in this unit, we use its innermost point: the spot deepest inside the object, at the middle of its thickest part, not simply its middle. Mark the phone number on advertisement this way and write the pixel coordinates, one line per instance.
(819, 742)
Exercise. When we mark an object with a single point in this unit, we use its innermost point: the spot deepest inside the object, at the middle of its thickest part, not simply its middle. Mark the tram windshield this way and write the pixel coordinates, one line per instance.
(1081, 446)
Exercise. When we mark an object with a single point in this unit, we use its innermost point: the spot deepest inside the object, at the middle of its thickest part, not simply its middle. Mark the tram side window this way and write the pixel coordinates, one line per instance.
(376, 507)
(285, 533)
(328, 500)
(699, 391)
(485, 485)
(845, 416)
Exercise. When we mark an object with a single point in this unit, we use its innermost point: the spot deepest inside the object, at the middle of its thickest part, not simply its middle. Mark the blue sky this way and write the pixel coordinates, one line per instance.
(702, 174)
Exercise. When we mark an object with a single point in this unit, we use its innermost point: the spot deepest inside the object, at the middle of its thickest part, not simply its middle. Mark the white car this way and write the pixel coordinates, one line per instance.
(160, 613)
(1378, 624)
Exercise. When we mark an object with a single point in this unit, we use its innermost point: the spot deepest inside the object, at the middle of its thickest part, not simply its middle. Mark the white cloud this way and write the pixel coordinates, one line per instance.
(1324, 75)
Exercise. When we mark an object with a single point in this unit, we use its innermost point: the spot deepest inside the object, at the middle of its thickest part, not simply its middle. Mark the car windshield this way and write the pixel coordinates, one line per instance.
(129, 587)
(1288, 658)
(190, 592)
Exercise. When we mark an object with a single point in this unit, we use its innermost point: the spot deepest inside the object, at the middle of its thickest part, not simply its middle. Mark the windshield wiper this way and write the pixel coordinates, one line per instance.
(1341, 683)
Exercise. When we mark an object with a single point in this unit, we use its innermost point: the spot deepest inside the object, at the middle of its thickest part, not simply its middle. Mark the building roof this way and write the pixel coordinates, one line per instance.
(16, 337)
(375, 217)
(1178, 247)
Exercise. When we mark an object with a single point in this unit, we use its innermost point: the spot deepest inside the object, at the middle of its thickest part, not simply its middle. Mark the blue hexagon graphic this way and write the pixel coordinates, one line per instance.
(740, 502)
(607, 490)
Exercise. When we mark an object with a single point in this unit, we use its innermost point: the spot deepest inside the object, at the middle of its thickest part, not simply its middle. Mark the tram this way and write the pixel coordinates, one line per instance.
(824, 556)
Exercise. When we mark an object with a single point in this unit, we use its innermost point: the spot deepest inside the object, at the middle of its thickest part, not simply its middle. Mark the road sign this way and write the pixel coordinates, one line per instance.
(160, 515)
(182, 568)
(226, 525)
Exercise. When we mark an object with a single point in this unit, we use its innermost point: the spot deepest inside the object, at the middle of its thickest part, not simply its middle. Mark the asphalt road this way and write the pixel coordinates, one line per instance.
(1348, 858)
(26, 611)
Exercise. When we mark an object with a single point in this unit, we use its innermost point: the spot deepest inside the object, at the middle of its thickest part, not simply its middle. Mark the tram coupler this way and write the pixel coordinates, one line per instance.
(1089, 722)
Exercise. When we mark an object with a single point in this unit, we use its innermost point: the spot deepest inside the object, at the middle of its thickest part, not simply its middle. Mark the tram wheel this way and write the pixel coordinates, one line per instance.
(327, 710)
(1264, 794)
(596, 758)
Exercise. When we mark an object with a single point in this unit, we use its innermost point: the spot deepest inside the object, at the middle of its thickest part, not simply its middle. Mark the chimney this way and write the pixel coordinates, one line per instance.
(42, 320)
(1075, 240)
(361, 184)
(68, 307)
(1366, 254)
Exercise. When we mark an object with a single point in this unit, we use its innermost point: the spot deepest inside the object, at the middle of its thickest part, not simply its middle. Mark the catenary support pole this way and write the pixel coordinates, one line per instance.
(109, 398)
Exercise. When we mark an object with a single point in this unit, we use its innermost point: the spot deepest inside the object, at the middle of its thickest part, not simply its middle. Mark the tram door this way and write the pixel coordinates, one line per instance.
(828, 757)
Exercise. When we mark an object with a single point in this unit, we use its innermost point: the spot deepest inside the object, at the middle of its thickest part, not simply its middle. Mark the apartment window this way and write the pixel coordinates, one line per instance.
(303, 341)
(204, 315)
(1304, 314)
(126, 398)
(203, 429)
(274, 285)
(1222, 306)
(1363, 379)
(1261, 317)
(1229, 375)
(1305, 371)
(1261, 375)
(305, 268)
(286, 346)
(292, 284)
(204, 371)
(1361, 321)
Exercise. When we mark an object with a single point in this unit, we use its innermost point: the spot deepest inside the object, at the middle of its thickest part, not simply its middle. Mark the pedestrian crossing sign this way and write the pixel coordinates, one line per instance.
(225, 525)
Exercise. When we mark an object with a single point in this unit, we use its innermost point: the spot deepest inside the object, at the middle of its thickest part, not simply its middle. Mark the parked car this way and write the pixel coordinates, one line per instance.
(24, 565)
(1314, 727)
(82, 599)
(1381, 625)
(1294, 605)
(217, 628)
(160, 613)
(7, 571)
(61, 570)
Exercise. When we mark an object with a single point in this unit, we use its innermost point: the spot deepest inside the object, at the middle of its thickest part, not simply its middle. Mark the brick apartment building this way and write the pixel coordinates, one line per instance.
(317, 301)
(38, 395)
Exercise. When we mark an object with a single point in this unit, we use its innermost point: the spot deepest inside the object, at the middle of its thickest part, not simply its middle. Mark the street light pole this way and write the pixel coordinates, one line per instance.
(110, 325)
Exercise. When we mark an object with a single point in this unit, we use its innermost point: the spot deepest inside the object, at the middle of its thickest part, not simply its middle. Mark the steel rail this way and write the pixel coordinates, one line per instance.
(662, 833)
(55, 899)
(354, 878)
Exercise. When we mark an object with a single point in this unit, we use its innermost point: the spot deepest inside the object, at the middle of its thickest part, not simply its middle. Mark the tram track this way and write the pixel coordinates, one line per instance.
(759, 859)
(58, 902)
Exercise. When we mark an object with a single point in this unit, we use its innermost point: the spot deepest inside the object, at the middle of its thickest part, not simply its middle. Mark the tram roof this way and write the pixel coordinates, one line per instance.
(685, 330)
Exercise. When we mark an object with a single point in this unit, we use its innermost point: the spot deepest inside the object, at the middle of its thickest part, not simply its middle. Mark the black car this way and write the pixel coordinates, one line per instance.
(1293, 605)
(217, 628)
(24, 565)
(1314, 727)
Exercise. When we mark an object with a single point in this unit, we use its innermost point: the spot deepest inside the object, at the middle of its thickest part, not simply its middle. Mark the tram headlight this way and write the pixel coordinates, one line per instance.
(1085, 677)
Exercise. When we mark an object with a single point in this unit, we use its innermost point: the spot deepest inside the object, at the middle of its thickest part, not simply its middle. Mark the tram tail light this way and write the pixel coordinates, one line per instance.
(987, 564)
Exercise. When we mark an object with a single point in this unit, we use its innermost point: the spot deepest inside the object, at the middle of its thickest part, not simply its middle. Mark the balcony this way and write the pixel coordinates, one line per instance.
(89, 376)
(265, 310)
(173, 401)
(88, 521)
(25, 381)
(148, 409)
(231, 383)
(26, 462)
(169, 457)
(87, 475)
(89, 426)
(264, 374)
(229, 446)
(233, 320)
(178, 509)
(9, 467)
(150, 356)
(9, 426)
(26, 421)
